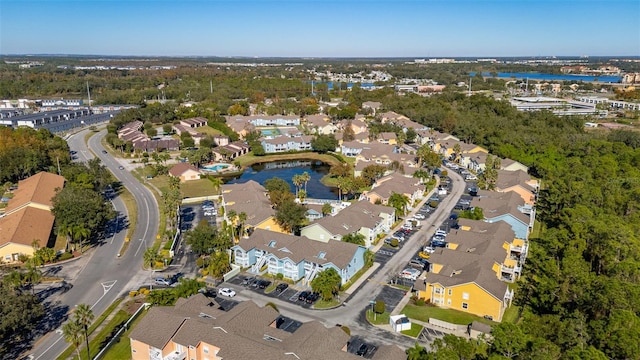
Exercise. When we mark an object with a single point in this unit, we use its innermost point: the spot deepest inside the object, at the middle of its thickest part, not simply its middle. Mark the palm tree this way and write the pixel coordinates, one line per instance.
(150, 257)
(399, 202)
(231, 215)
(72, 332)
(305, 179)
(216, 182)
(84, 317)
(33, 276)
(297, 181)
(242, 219)
(80, 233)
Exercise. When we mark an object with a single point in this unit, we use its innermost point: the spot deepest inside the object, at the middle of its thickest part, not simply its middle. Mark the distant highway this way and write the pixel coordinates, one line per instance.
(103, 275)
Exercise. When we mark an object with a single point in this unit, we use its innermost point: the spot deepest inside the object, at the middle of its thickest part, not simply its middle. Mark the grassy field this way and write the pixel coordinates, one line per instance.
(122, 348)
(378, 319)
(209, 130)
(195, 188)
(423, 313)
(132, 210)
(322, 304)
(414, 331)
(511, 314)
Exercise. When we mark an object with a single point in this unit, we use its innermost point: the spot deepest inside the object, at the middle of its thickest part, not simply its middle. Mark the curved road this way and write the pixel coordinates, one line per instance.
(102, 275)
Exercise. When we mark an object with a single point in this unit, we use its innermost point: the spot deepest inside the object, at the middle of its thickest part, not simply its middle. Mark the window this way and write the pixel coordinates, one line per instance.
(450, 292)
(465, 296)
(272, 243)
(437, 290)
(465, 305)
(321, 255)
(205, 349)
(448, 301)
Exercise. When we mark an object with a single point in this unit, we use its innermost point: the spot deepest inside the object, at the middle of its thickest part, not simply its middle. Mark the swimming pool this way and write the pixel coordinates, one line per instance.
(269, 132)
(216, 167)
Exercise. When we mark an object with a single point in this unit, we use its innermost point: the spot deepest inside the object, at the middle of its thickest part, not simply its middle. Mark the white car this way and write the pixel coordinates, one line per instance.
(440, 233)
(419, 216)
(429, 250)
(226, 292)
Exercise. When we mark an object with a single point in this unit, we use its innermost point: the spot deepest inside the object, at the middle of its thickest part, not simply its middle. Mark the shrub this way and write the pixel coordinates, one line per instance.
(379, 307)
(420, 302)
(133, 293)
(272, 305)
(280, 276)
(346, 330)
(394, 242)
(433, 204)
(65, 256)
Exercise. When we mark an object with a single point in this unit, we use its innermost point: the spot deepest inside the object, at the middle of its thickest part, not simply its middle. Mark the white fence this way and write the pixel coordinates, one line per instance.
(444, 324)
(122, 329)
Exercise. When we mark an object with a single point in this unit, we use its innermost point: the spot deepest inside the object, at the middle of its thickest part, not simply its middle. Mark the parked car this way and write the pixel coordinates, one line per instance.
(163, 281)
(312, 297)
(282, 287)
(470, 178)
(256, 282)
(303, 296)
(419, 216)
(438, 244)
(263, 284)
(410, 273)
(247, 281)
(429, 249)
(418, 263)
(362, 350)
(226, 292)
(424, 255)
(437, 238)
(440, 232)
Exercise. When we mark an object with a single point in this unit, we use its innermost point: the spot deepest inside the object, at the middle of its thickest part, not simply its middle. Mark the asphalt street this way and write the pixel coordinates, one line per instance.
(101, 275)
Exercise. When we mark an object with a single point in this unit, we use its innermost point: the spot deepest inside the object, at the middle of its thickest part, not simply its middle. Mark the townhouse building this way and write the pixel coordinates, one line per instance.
(252, 199)
(286, 143)
(297, 257)
(197, 328)
(508, 207)
(28, 217)
(519, 182)
(396, 183)
(361, 217)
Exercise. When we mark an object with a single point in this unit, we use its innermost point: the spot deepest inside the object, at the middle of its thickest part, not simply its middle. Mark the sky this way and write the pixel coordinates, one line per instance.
(315, 28)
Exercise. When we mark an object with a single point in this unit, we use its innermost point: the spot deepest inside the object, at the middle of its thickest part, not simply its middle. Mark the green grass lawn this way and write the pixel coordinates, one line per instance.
(423, 313)
(414, 331)
(323, 304)
(511, 314)
(196, 188)
(378, 319)
(209, 130)
(122, 348)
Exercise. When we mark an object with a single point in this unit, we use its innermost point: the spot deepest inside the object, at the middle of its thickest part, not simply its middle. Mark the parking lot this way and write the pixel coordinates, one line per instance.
(192, 214)
(290, 294)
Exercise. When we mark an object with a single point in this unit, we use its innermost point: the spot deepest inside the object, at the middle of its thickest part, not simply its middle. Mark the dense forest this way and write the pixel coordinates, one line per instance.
(580, 293)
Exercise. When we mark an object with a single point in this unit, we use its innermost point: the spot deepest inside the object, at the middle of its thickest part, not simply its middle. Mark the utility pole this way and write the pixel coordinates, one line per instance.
(89, 95)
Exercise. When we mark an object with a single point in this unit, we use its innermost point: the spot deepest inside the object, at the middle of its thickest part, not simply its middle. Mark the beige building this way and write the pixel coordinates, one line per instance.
(185, 172)
(196, 329)
(28, 216)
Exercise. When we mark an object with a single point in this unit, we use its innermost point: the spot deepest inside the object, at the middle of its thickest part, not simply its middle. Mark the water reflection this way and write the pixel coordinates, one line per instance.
(286, 170)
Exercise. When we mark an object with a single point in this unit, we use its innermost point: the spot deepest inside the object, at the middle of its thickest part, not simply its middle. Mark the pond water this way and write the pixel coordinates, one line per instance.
(285, 170)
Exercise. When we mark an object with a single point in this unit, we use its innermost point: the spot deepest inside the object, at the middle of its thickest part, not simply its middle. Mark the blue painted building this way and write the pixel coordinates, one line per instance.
(297, 257)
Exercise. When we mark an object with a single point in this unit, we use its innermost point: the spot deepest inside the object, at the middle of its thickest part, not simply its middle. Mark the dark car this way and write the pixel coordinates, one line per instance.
(282, 287)
(264, 284)
(255, 283)
(313, 297)
(303, 296)
(247, 281)
(362, 350)
(104, 151)
(439, 244)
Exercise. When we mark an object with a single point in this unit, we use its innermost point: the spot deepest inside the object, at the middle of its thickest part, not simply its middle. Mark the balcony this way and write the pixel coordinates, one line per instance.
(176, 355)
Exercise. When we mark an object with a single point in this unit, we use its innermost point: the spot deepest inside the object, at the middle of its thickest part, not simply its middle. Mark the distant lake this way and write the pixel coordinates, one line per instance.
(550, 77)
(285, 171)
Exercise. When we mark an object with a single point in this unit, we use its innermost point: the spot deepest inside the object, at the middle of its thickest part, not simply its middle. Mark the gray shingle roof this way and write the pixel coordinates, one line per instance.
(354, 217)
(494, 204)
(250, 198)
(299, 248)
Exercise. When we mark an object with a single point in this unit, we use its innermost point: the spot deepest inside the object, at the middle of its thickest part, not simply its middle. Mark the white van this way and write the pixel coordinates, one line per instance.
(411, 274)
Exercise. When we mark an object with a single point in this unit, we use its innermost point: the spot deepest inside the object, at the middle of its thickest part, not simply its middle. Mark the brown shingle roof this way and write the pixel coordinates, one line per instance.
(25, 225)
(250, 198)
(39, 188)
(507, 179)
(158, 327)
(181, 168)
